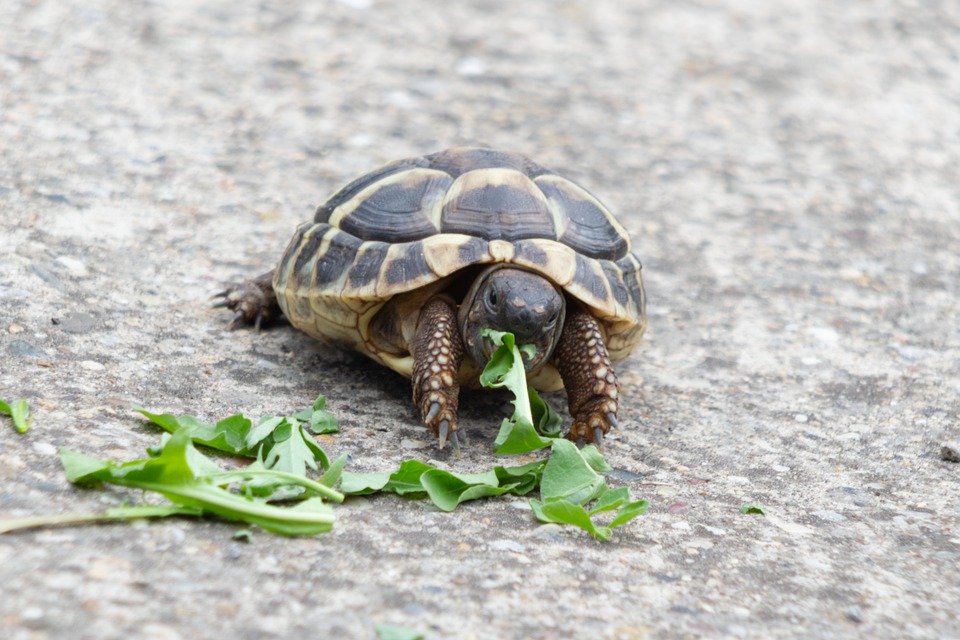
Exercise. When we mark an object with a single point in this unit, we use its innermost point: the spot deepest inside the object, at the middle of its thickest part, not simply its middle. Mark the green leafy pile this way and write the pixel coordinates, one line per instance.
(284, 454)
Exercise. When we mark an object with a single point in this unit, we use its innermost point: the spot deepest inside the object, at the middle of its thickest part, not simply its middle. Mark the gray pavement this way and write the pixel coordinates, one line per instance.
(790, 174)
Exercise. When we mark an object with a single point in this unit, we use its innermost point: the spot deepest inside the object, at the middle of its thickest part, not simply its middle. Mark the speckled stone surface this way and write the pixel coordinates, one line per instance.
(789, 172)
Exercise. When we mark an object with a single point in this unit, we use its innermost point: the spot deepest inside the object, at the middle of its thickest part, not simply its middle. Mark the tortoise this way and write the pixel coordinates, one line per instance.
(408, 263)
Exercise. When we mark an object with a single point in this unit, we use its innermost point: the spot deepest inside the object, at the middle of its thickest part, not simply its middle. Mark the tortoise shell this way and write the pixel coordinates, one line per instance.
(405, 231)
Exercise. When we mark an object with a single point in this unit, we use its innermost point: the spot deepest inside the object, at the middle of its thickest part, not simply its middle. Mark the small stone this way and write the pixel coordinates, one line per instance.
(829, 516)
(78, 323)
(507, 545)
(24, 348)
(92, 365)
(800, 417)
(45, 448)
(471, 66)
(74, 266)
(950, 451)
(854, 614)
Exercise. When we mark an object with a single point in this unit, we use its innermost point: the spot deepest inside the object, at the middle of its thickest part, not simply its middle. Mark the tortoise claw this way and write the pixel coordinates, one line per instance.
(612, 419)
(455, 441)
(443, 431)
(598, 437)
(238, 317)
(432, 413)
(219, 304)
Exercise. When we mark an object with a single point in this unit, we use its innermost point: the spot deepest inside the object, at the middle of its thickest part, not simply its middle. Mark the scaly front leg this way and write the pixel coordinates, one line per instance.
(591, 384)
(437, 353)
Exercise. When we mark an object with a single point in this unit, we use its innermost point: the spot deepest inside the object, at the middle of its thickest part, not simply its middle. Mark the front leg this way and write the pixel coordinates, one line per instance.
(591, 384)
(437, 353)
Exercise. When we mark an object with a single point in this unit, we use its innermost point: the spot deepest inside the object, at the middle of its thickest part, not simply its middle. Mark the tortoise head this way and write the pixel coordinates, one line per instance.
(509, 298)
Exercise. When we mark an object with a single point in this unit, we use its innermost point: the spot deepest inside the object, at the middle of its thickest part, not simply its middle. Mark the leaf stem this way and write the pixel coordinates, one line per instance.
(307, 483)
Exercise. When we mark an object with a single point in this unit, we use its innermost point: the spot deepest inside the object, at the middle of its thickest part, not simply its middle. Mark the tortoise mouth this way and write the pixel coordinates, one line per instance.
(530, 364)
(512, 299)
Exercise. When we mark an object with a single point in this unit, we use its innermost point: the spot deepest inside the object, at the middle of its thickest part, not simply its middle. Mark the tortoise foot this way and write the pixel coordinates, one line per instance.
(594, 420)
(253, 302)
(437, 352)
(591, 383)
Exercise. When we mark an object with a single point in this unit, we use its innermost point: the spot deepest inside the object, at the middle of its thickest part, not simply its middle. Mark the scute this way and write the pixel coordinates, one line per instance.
(590, 229)
(460, 160)
(338, 250)
(323, 212)
(401, 207)
(497, 204)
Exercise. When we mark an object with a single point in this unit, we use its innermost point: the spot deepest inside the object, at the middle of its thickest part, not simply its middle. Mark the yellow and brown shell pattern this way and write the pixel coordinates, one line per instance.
(411, 225)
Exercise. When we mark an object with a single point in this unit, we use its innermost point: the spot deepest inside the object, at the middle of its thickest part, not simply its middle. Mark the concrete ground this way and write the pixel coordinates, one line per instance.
(789, 172)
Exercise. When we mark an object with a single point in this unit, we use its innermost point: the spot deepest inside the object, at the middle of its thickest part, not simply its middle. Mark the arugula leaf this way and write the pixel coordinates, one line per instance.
(405, 481)
(563, 511)
(174, 474)
(20, 412)
(294, 450)
(319, 419)
(114, 513)
(569, 476)
(447, 490)
(283, 441)
(752, 508)
(628, 512)
(611, 500)
(396, 632)
(518, 434)
(570, 481)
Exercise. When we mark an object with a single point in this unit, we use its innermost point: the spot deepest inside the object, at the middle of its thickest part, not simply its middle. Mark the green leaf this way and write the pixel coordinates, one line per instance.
(753, 509)
(592, 456)
(243, 535)
(563, 511)
(82, 469)
(335, 472)
(628, 512)
(396, 632)
(403, 481)
(517, 434)
(174, 474)
(445, 489)
(568, 475)
(318, 419)
(265, 428)
(321, 420)
(518, 437)
(448, 490)
(227, 435)
(290, 448)
(548, 422)
(291, 453)
(610, 500)
(20, 412)
(354, 483)
(114, 513)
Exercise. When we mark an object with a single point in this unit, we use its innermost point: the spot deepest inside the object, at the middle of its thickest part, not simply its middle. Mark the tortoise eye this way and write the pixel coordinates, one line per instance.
(553, 320)
(492, 298)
